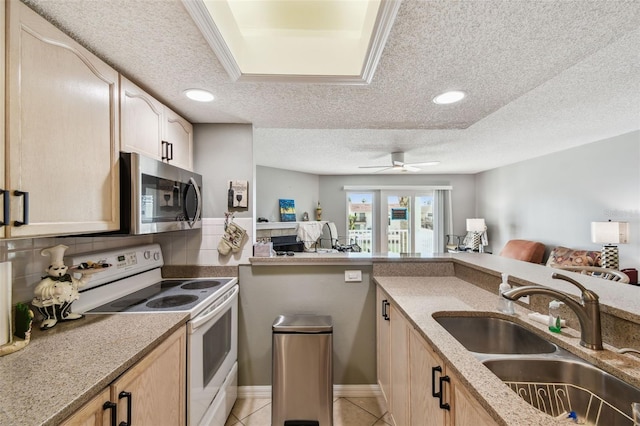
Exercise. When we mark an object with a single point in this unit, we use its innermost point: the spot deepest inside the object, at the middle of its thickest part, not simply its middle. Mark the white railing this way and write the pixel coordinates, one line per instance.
(398, 240)
(362, 238)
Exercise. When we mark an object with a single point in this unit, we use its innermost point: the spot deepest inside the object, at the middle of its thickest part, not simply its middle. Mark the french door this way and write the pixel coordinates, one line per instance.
(407, 221)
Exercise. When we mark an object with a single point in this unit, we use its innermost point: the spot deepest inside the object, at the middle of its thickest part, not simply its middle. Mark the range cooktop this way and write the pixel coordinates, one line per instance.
(171, 295)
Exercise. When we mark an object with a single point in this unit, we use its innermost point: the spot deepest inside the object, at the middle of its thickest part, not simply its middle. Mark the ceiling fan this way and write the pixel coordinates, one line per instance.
(397, 163)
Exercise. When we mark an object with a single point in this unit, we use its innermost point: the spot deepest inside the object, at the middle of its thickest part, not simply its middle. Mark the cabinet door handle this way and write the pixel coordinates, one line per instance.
(444, 406)
(6, 195)
(114, 414)
(127, 395)
(170, 156)
(433, 382)
(385, 312)
(25, 208)
(165, 150)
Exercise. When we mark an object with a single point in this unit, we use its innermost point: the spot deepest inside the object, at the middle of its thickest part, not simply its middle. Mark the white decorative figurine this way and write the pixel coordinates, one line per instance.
(57, 290)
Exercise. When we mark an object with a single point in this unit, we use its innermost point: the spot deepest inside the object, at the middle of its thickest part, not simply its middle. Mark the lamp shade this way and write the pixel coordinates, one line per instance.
(476, 225)
(609, 232)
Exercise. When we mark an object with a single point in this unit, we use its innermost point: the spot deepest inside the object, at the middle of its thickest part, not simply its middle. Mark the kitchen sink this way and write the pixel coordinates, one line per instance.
(557, 386)
(493, 335)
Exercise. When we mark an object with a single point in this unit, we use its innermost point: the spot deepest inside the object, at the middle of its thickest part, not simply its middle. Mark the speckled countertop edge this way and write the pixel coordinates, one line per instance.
(75, 360)
(420, 297)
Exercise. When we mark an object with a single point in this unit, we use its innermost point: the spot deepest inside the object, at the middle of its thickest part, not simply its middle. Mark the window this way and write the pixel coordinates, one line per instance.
(399, 219)
(360, 219)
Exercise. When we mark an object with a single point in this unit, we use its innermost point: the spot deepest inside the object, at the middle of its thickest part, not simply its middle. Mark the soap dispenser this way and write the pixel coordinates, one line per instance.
(555, 323)
(505, 305)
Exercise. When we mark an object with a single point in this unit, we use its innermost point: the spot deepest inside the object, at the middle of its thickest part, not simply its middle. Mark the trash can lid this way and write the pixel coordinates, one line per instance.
(303, 323)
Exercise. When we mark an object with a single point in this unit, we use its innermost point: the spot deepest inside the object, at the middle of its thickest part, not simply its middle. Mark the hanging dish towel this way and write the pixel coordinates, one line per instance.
(309, 233)
(232, 239)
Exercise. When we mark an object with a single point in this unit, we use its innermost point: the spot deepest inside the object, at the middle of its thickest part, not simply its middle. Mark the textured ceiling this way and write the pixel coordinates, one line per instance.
(541, 76)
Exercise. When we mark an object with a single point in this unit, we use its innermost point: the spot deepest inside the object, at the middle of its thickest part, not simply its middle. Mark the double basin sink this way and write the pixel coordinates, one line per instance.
(548, 377)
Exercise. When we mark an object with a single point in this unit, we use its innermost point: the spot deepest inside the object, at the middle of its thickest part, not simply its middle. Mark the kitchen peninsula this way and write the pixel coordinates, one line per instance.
(92, 353)
(420, 286)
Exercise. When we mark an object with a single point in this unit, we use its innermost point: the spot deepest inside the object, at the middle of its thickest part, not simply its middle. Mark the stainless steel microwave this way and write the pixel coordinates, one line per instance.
(157, 197)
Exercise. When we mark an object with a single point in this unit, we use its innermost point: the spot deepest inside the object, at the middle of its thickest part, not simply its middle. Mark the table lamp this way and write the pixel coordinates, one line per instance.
(609, 234)
(477, 227)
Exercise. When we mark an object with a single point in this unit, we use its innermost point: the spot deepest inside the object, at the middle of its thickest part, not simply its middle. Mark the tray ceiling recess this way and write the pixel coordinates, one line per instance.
(309, 41)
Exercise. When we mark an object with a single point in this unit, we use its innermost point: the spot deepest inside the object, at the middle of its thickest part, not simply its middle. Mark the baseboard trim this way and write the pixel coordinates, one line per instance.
(339, 391)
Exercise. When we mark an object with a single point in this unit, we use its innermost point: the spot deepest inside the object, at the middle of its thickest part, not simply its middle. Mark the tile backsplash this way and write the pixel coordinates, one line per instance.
(197, 247)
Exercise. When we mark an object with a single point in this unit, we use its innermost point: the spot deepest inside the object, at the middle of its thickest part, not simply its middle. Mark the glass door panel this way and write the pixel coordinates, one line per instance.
(409, 222)
(360, 219)
(423, 224)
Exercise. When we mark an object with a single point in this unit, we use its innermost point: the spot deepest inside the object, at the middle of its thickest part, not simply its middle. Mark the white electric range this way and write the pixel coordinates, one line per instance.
(133, 283)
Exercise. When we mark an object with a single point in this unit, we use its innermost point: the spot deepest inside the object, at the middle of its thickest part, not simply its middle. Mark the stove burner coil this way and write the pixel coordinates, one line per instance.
(171, 301)
(200, 284)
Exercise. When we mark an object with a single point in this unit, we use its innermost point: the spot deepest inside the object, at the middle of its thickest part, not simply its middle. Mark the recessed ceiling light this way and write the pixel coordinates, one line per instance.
(198, 95)
(449, 97)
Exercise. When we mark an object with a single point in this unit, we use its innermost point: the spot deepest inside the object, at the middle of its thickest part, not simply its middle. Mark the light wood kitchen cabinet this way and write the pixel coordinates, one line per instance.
(153, 390)
(62, 132)
(96, 412)
(152, 129)
(465, 410)
(383, 344)
(3, 198)
(393, 358)
(418, 386)
(399, 367)
(425, 367)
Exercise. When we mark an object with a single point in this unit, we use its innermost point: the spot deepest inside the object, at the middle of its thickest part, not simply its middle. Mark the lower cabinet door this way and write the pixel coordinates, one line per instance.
(153, 392)
(96, 412)
(425, 368)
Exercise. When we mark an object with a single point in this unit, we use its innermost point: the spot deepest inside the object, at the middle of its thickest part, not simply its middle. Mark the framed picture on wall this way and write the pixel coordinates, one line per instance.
(238, 197)
(287, 210)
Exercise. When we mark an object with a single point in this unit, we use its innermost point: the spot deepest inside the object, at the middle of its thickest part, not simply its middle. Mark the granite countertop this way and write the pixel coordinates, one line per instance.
(63, 368)
(420, 297)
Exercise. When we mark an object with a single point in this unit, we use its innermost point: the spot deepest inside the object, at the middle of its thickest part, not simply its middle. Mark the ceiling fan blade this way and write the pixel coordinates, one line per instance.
(373, 167)
(383, 170)
(410, 168)
(426, 163)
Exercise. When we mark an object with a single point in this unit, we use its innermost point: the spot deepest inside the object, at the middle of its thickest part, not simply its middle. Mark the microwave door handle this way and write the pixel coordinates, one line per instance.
(198, 321)
(196, 216)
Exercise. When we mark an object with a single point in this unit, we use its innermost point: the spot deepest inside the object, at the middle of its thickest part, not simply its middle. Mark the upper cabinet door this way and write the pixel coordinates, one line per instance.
(142, 120)
(179, 135)
(153, 130)
(63, 135)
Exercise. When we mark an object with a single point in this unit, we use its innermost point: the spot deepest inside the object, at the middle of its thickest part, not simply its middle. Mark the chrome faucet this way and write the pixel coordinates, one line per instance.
(588, 310)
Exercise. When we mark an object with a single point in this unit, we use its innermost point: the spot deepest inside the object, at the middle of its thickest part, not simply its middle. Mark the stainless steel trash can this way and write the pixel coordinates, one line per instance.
(302, 371)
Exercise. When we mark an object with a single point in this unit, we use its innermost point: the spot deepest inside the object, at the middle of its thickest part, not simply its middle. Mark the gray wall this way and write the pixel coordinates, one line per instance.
(553, 199)
(274, 184)
(223, 152)
(268, 291)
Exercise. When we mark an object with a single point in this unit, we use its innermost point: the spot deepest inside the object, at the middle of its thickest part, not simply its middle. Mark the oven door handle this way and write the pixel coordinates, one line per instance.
(198, 321)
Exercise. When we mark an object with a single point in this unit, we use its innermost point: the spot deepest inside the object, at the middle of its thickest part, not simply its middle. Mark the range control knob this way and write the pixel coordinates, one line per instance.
(147, 254)
(156, 255)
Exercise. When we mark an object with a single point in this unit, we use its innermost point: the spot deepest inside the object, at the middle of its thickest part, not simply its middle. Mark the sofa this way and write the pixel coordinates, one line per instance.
(525, 250)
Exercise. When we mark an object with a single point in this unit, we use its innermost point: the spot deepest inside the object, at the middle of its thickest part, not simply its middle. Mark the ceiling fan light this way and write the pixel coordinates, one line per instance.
(450, 97)
(198, 95)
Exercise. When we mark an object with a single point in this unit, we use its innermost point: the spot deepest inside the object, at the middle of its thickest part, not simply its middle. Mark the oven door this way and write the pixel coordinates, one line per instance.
(212, 352)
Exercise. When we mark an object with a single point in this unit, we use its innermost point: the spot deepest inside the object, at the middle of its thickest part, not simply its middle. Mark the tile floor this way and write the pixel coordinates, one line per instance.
(346, 412)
